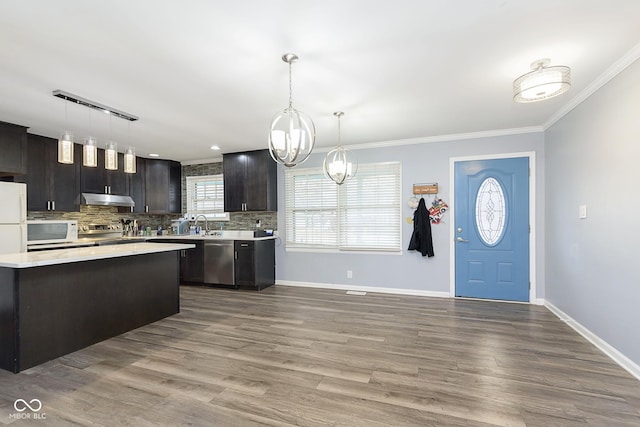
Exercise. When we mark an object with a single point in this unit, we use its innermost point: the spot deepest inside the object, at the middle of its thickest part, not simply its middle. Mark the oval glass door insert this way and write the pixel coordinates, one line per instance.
(491, 211)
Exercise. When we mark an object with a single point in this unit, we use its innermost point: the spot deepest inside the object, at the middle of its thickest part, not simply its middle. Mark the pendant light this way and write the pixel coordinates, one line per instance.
(340, 165)
(293, 134)
(130, 156)
(111, 156)
(130, 160)
(90, 152)
(90, 148)
(65, 143)
(543, 82)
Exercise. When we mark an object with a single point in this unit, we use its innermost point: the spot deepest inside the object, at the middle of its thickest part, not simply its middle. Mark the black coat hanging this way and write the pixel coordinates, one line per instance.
(421, 237)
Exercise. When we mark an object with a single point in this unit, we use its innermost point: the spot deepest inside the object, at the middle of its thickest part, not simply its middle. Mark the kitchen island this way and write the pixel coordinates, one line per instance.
(55, 302)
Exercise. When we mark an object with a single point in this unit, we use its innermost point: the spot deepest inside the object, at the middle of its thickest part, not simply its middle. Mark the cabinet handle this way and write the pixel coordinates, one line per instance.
(53, 205)
(48, 205)
(106, 190)
(146, 208)
(236, 254)
(131, 209)
(109, 189)
(244, 245)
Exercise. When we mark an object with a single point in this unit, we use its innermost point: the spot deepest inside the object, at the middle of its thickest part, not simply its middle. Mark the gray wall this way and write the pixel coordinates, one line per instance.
(427, 162)
(591, 159)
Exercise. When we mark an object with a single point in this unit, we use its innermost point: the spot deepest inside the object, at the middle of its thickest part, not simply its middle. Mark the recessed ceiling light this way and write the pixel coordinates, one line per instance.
(215, 147)
(154, 155)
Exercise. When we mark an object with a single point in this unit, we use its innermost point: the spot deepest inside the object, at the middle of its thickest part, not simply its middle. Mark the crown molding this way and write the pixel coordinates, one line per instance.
(620, 65)
(439, 138)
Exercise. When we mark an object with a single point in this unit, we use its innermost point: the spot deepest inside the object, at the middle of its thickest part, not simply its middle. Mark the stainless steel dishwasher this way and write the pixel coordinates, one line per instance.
(219, 262)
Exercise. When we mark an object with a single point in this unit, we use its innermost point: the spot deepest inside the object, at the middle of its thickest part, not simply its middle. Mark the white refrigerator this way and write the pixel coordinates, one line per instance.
(13, 217)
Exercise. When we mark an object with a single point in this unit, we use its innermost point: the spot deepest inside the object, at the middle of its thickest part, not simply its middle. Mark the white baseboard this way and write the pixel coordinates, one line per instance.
(622, 360)
(415, 292)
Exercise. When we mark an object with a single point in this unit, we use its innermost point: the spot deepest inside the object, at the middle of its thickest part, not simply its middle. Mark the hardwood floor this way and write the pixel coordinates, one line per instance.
(311, 357)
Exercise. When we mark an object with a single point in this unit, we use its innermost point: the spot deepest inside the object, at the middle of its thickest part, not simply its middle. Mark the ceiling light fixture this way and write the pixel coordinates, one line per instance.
(90, 152)
(130, 156)
(90, 148)
(293, 134)
(65, 143)
(111, 156)
(95, 105)
(339, 165)
(543, 82)
(215, 147)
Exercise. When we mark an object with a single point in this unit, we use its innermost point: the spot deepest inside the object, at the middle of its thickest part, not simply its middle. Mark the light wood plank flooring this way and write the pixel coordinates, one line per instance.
(311, 357)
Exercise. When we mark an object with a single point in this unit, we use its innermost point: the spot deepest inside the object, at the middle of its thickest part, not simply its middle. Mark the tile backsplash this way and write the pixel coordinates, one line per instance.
(110, 214)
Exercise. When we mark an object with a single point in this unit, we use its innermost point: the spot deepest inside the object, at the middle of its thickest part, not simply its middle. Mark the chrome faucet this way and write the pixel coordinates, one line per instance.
(206, 223)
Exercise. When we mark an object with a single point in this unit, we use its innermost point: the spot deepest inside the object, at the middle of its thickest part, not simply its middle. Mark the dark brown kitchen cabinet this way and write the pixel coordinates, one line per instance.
(250, 182)
(102, 181)
(255, 263)
(13, 149)
(137, 186)
(51, 186)
(163, 192)
(191, 260)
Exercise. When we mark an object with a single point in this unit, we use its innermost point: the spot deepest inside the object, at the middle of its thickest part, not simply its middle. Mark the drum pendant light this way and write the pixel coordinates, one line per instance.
(292, 134)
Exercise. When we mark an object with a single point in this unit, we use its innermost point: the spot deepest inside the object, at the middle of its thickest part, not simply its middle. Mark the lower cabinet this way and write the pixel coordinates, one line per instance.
(245, 264)
(255, 266)
(192, 263)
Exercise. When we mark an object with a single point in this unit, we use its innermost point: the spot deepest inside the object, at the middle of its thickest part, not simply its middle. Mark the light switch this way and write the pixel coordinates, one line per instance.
(582, 211)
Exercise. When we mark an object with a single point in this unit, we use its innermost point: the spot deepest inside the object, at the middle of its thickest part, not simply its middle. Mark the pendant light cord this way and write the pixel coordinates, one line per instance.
(290, 89)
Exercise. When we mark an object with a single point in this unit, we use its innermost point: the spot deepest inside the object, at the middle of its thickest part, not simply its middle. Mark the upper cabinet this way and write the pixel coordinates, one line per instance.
(51, 186)
(102, 181)
(163, 191)
(250, 182)
(13, 149)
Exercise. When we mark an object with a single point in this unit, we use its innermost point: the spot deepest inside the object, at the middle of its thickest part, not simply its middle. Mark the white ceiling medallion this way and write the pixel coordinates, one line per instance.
(543, 82)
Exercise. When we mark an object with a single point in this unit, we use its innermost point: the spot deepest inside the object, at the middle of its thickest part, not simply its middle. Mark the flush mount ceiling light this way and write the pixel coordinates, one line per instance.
(293, 134)
(543, 82)
(340, 165)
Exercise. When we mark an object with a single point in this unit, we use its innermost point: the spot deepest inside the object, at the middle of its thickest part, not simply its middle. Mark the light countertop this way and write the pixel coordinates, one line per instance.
(226, 235)
(64, 256)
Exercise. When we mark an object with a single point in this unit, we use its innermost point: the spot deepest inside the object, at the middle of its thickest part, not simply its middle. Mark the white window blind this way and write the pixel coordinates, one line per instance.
(362, 214)
(205, 196)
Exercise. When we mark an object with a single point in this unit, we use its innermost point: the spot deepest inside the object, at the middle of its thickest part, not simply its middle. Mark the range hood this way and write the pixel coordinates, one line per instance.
(97, 199)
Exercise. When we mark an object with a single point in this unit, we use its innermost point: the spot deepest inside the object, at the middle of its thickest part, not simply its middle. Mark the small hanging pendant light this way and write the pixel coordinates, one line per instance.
(65, 143)
(90, 152)
(65, 148)
(130, 160)
(130, 156)
(293, 134)
(340, 165)
(111, 156)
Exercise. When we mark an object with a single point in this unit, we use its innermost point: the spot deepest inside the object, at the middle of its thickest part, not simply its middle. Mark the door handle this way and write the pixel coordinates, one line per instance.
(460, 239)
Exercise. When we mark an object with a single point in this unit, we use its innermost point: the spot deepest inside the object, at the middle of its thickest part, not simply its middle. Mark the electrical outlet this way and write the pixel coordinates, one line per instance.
(349, 274)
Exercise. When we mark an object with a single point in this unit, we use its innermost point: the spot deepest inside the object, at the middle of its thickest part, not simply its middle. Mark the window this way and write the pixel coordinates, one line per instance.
(362, 214)
(205, 196)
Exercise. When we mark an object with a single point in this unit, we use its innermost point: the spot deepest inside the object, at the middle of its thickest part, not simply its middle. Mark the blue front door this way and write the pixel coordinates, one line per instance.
(492, 229)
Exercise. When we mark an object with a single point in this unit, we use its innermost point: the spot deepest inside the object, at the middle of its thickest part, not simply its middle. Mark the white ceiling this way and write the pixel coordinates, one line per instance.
(203, 72)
